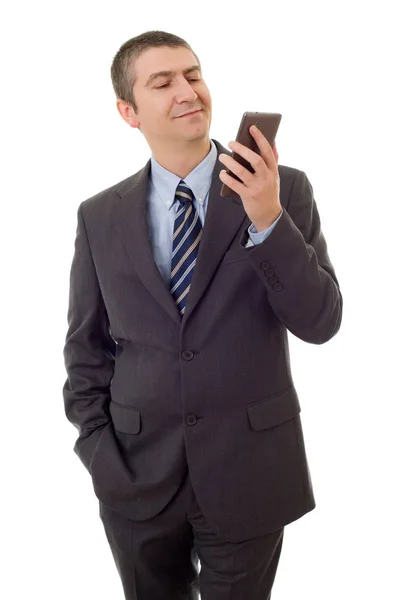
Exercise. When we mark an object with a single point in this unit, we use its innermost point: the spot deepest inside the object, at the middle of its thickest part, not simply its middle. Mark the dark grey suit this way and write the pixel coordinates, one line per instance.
(153, 394)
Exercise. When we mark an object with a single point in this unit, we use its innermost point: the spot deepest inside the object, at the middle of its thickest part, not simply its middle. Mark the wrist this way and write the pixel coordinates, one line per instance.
(267, 222)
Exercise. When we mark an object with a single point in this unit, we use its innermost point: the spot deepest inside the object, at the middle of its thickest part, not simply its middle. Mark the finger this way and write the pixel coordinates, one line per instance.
(233, 165)
(265, 147)
(275, 151)
(256, 161)
(231, 182)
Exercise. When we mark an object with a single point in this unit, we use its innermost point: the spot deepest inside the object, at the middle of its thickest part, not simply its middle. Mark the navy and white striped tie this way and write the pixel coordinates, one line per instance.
(185, 245)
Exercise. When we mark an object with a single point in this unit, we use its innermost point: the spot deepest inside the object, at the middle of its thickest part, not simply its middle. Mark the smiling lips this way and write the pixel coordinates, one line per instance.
(190, 113)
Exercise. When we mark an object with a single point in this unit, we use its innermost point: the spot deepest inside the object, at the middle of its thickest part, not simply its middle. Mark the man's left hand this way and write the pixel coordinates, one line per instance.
(260, 190)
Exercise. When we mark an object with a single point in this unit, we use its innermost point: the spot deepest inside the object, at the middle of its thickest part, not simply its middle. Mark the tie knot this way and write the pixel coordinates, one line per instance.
(183, 192)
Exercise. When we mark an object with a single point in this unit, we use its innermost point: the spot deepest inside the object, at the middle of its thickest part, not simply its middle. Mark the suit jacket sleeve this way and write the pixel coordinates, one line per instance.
(294, 266)
(89, 351)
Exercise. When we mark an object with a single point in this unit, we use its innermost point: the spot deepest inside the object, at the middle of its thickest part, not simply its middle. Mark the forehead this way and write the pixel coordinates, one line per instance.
(163, 58)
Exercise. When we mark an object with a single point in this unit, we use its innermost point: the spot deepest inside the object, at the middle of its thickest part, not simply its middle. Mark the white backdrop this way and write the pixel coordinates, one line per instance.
(332, 71)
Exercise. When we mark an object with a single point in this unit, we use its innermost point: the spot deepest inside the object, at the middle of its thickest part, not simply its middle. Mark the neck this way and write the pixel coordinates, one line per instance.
(181, 159)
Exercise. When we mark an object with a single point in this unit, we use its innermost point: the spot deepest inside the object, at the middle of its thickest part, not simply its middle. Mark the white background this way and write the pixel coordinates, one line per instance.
(331, 69)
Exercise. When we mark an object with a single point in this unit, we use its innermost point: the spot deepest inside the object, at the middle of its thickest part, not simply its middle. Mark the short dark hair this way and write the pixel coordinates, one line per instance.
(122, 69)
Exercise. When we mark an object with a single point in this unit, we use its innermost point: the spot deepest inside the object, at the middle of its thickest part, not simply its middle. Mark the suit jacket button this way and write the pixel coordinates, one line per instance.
(191, 420)
(265, 265)
(187, 355)
(272, 280)
(269, 272)
(277, 287)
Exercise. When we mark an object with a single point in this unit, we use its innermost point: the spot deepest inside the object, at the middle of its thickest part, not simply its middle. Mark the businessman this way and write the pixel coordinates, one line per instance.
(177, 357)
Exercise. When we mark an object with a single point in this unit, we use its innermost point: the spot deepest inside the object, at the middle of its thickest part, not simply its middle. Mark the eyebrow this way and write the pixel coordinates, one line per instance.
(154, 76)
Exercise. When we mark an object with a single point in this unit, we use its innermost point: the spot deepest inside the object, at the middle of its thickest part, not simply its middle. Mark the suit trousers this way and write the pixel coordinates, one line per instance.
(158, 559)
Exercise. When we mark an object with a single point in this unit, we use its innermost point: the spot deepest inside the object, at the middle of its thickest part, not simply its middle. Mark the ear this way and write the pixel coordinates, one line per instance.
(127, 113)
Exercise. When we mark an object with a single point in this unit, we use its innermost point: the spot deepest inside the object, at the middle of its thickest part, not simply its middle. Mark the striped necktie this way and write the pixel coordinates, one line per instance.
(185, 245)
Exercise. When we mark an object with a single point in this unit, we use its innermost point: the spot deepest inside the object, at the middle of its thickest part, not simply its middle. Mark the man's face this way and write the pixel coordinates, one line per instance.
(162, 99)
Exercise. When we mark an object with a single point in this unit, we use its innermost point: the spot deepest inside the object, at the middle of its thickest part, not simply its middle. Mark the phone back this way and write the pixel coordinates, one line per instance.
(268, 124)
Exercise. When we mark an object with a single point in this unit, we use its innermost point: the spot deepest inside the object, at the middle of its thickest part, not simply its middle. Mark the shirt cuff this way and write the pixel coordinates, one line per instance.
(256, 237)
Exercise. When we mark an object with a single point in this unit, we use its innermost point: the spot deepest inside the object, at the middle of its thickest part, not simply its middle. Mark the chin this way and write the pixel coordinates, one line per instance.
(200, 135)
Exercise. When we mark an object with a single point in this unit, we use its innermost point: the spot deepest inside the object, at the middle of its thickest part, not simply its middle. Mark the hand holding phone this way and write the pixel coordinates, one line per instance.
(268, 124)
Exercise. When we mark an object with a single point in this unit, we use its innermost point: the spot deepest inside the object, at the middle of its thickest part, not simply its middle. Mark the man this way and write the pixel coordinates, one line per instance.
(177, 355)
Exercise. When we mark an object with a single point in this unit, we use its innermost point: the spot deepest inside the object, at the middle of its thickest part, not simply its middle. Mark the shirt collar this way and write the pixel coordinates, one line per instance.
(199, 180)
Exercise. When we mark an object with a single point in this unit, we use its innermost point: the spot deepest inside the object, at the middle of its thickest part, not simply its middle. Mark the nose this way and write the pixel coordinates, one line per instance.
(185, 92)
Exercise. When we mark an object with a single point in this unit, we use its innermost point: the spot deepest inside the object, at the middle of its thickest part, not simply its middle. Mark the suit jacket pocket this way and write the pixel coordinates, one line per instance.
(125, 418)
(274, 410)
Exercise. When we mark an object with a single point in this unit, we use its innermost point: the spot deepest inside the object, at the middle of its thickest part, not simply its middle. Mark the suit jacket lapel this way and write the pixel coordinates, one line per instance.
(224, 216)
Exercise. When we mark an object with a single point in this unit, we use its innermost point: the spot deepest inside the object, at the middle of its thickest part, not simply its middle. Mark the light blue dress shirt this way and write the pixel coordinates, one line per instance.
(162, 208)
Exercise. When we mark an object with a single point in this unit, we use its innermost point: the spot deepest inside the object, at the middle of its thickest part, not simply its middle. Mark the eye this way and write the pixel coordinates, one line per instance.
(167, 84)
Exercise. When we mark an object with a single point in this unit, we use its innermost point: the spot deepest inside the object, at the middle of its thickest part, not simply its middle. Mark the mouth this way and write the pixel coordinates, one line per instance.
(189, 114)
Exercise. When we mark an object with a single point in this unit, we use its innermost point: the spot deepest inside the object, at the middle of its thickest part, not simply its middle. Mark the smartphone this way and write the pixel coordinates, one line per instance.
(268, 124)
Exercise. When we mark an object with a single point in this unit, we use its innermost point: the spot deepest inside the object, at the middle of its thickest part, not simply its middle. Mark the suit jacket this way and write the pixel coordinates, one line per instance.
(153, 394)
